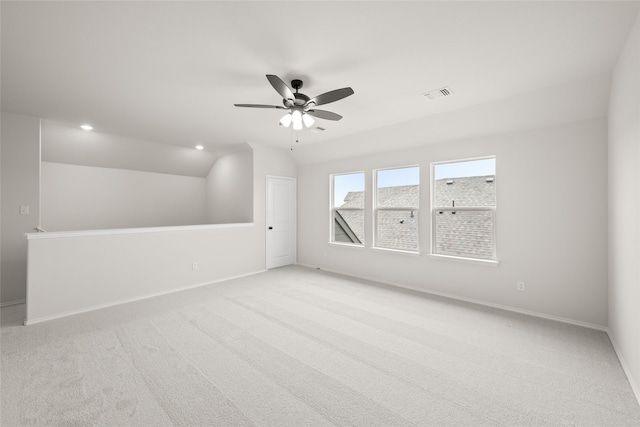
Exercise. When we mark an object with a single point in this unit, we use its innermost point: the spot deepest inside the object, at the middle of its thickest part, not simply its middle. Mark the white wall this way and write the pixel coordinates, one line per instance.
(624, 208)
(229, 188)
(73, 272)
(20, 187)
(63, 143)
(88, 198)
(551, 223)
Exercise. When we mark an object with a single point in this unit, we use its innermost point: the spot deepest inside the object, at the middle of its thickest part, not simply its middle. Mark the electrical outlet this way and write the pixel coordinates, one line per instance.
(194, 266)
(24, 210)
(520, 286)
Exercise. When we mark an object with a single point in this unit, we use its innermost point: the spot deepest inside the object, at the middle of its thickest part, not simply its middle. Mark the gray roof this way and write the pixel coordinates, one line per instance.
(401, 196)
(467, 191)
(353, 199)
(464, 233)
(354, 221)
(396, 229)
(467, 234)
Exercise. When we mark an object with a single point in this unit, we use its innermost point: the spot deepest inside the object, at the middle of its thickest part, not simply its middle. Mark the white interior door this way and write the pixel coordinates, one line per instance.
(281, 221)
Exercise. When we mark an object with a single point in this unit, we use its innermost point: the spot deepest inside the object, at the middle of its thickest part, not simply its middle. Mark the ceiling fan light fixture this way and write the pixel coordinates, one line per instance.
(286, 120)
(308, 120)
(296, 118)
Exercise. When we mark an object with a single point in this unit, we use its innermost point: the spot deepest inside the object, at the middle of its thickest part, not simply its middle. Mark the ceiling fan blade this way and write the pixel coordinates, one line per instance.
(280, 87)
(260, 106)
(334, 95)
(327, 115)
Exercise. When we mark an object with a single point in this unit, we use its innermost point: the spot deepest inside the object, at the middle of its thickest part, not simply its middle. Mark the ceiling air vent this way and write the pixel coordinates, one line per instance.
(439, 93)
(317, 129)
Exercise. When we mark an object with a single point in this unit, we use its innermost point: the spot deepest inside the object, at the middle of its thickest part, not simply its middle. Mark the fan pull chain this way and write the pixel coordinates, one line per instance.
(297, 138)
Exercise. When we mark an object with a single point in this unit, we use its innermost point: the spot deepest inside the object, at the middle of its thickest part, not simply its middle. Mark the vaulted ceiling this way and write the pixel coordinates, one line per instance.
(170, 72)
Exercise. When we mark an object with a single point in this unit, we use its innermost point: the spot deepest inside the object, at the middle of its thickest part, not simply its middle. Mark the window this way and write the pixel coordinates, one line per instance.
(347, 208)
(396, 208)
(464, 209)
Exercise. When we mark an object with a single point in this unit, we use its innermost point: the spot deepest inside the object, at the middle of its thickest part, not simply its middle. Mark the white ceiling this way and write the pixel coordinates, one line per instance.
(170, 72)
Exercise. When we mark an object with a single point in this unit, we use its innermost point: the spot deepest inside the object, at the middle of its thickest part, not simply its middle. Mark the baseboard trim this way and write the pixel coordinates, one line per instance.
(470, 300)
(128, 300)
(625, 367)
(15, 302)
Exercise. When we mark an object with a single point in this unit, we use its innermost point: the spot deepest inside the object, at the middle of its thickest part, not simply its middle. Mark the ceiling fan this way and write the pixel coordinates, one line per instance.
(299, 106)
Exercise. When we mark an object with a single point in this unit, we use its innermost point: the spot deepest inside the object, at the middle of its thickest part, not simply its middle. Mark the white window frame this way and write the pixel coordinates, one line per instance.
(409, 209)
(436, 209)
(333, 208)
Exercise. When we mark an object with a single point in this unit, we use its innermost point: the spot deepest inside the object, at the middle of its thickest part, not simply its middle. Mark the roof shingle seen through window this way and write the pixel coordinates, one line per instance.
(471, 191)
(467, 234)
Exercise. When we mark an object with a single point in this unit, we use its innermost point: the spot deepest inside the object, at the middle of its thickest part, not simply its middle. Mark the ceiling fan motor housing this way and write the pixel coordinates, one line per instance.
(301, 98)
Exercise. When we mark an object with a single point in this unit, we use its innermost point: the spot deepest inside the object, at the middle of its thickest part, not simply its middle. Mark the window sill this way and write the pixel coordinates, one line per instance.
(396, 251)
(346, 245)
(487, 262)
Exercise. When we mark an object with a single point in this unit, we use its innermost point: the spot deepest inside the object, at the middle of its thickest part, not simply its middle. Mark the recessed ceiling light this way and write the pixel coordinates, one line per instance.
(87, 127)
(199, 147)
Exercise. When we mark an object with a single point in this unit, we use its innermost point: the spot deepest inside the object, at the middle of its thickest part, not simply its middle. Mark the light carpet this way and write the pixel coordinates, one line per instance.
(299, 347)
